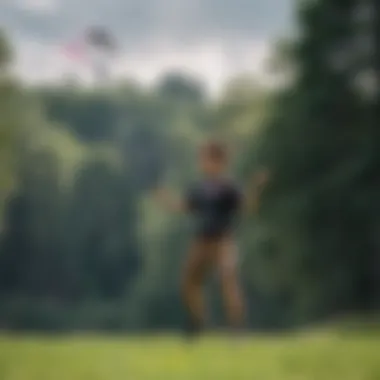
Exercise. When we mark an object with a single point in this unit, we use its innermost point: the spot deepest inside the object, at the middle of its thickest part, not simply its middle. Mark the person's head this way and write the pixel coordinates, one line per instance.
(213, 158)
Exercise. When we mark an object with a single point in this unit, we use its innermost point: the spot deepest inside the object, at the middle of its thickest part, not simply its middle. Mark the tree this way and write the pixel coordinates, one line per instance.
(318, 143)
(10, 123)
(180, 87)
(5, 52)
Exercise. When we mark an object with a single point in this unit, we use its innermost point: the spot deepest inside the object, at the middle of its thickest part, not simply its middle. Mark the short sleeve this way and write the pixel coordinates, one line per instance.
(235, 197)
(192, 199)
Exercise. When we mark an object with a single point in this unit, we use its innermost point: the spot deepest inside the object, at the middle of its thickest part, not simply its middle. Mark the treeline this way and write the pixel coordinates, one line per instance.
(83, 244)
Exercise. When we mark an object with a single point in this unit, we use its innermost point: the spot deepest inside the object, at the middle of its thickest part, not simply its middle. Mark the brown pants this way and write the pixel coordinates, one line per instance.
(206, 255)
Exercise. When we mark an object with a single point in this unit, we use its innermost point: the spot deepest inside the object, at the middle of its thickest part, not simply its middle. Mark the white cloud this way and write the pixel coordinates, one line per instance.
(214, 61)
(38, 6)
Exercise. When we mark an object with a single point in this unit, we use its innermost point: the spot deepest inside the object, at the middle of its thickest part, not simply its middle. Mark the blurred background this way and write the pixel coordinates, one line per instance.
(100, 102)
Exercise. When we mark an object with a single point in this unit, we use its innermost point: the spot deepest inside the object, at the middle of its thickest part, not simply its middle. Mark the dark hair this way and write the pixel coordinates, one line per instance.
(215, 150)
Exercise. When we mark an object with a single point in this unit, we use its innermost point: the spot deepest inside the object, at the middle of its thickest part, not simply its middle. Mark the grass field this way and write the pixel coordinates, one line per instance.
(318, 356)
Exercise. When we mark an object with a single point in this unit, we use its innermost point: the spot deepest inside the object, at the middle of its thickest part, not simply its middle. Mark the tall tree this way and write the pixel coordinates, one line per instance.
(318, 145)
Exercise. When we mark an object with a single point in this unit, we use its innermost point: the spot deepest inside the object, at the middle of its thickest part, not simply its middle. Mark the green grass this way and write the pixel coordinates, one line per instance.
(318, 356)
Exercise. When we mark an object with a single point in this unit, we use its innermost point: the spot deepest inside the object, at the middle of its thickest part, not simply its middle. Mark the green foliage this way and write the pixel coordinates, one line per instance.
(179, 87)
(320, 147)
(5, 51)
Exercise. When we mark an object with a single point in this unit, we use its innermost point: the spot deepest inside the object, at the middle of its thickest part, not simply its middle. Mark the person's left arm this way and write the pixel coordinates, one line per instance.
(252, 195)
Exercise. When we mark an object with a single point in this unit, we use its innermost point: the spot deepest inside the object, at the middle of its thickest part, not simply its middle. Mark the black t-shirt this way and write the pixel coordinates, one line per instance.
(214, 205)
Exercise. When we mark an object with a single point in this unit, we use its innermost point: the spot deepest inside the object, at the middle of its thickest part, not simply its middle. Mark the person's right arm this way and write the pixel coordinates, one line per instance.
(170, 200)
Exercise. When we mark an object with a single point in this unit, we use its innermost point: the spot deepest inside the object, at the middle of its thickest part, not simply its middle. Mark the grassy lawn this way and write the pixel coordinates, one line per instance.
(318, 356)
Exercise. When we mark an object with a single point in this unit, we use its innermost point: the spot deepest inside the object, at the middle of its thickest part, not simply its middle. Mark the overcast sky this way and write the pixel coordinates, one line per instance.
(210, 38)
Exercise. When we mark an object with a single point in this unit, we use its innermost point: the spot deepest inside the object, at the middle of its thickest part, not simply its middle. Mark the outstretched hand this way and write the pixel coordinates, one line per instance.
(168, 199)
(261, 179)
(162, 194)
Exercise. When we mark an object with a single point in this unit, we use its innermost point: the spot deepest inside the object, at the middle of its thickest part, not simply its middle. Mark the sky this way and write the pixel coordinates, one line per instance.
(212, 39)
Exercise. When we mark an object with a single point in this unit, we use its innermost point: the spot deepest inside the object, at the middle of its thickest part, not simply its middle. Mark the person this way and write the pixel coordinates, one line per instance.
(214, 201)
